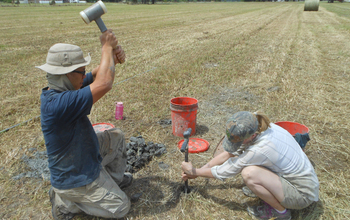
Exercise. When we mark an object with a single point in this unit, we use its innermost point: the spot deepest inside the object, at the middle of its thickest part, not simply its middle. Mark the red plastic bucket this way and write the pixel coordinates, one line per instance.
(293, 127)
(183, 115)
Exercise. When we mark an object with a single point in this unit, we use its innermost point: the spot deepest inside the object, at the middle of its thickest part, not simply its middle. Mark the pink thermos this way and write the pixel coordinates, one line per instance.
(119, 111)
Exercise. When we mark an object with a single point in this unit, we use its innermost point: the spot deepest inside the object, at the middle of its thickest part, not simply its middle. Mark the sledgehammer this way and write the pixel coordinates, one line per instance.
(94, 13)
(184, 148)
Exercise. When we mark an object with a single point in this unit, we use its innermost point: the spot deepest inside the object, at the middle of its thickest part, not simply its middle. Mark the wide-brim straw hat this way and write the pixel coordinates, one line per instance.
(64, 58)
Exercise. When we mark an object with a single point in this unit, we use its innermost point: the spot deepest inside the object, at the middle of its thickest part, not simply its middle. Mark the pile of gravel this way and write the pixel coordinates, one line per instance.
(140, 154)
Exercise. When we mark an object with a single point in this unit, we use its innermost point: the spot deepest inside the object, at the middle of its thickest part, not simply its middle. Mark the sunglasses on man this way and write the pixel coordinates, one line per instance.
(81, 72)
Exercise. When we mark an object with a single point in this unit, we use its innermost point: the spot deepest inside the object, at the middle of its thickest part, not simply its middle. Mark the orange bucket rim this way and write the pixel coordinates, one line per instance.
(172, 101)
(103, 123)
(281, 123)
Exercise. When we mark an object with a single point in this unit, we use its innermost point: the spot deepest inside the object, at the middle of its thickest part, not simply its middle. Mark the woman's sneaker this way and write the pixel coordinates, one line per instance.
(265, 211)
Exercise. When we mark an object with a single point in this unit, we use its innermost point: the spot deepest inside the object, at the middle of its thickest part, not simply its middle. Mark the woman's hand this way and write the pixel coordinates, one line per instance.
(185, 176)
(190, 172)
(188, 168)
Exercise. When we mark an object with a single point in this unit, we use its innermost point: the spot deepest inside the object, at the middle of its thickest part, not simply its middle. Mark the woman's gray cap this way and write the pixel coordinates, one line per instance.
(64, 58)
(239, 127)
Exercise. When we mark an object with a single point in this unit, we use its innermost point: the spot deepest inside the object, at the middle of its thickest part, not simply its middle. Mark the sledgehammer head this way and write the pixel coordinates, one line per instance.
(94, 13)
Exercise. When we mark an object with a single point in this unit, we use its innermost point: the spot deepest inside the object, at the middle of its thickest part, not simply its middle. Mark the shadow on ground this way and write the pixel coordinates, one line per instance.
(206, 193)
(201, 129)
(159, 195)
(312, 212)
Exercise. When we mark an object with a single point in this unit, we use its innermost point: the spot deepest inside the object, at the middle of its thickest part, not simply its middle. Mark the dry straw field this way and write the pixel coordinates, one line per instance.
(269, 56)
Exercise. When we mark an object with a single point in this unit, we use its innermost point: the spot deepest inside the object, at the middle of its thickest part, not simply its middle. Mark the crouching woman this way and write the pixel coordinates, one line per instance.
(271, 162)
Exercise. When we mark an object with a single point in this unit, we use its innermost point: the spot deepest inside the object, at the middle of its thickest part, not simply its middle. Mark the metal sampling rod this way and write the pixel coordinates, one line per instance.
(184, 148)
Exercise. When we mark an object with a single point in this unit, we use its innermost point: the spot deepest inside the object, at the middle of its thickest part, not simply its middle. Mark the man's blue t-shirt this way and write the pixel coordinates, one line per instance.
(71, 142)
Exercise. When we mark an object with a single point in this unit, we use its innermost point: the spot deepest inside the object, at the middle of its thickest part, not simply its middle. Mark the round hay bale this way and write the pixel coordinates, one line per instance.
(311, 5)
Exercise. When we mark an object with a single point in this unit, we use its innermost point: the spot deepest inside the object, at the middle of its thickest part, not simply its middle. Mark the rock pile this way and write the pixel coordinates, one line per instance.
(140, 154)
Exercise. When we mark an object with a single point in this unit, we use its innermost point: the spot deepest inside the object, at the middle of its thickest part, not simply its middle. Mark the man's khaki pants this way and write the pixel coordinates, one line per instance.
(102, 197)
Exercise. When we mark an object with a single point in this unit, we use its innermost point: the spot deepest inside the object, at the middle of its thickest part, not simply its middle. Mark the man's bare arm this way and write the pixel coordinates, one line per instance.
(104, 77)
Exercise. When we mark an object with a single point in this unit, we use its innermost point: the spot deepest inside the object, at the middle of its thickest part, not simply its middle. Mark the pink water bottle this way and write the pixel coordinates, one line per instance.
(119, 111)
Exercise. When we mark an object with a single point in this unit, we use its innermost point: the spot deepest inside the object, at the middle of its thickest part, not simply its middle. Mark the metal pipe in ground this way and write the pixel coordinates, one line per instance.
(184, 148)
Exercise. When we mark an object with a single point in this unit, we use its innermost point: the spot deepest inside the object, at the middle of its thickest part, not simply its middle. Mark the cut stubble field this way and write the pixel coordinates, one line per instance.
(270, 56)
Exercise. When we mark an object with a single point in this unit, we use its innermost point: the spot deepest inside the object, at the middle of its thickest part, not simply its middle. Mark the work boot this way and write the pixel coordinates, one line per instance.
(265, 211)
(248, 192)
(127, 180)
(56, 214)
